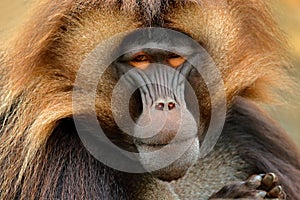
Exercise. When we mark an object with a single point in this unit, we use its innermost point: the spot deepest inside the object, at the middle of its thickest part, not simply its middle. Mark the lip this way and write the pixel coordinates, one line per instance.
(152, 146)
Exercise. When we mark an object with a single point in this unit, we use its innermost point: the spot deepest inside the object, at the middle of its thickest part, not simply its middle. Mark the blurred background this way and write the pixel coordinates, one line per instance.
(12, 13)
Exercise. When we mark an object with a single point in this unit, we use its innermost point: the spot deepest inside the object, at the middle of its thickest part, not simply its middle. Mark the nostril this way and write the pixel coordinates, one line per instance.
(165, 105)
(171, 105)
(159, 106)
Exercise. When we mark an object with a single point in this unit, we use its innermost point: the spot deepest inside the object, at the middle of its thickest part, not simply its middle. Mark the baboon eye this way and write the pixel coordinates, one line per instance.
(140, 60)
(175, 60)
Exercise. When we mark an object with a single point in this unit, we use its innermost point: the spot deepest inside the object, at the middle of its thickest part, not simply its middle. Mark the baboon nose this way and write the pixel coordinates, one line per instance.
(165, 105)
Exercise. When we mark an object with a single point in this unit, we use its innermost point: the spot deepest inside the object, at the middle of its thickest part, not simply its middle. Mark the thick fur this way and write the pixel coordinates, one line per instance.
(41, 156)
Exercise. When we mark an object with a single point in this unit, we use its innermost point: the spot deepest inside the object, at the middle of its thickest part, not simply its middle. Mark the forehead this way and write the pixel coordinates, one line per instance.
(101, 22)
(217, 25)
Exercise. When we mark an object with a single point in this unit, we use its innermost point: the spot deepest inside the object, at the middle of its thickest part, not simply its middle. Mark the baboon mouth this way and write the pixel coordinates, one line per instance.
(158, 145)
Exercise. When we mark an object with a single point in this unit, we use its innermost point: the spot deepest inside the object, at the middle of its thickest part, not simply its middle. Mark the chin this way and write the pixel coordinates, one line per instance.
(169, 162)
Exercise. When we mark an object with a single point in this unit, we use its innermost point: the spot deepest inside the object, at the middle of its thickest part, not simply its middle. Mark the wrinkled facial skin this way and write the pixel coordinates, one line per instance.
(168, 120)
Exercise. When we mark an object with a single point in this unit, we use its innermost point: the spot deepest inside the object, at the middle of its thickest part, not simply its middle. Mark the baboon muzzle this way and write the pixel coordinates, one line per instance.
(165, 118)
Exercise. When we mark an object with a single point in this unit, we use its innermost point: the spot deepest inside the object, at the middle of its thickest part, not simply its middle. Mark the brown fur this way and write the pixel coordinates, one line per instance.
(39, 72)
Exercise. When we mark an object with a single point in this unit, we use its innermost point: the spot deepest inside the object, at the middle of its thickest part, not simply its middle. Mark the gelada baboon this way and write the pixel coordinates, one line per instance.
(42, 153)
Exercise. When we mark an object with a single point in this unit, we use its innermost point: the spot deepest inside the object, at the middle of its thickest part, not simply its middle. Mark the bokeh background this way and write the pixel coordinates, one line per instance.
(12, 13)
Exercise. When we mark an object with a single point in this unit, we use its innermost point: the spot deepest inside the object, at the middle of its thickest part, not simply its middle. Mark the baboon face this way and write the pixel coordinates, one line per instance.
(160, 95)
(155, 88)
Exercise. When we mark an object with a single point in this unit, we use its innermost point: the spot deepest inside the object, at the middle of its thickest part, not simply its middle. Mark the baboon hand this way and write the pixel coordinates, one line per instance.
(263, 186)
